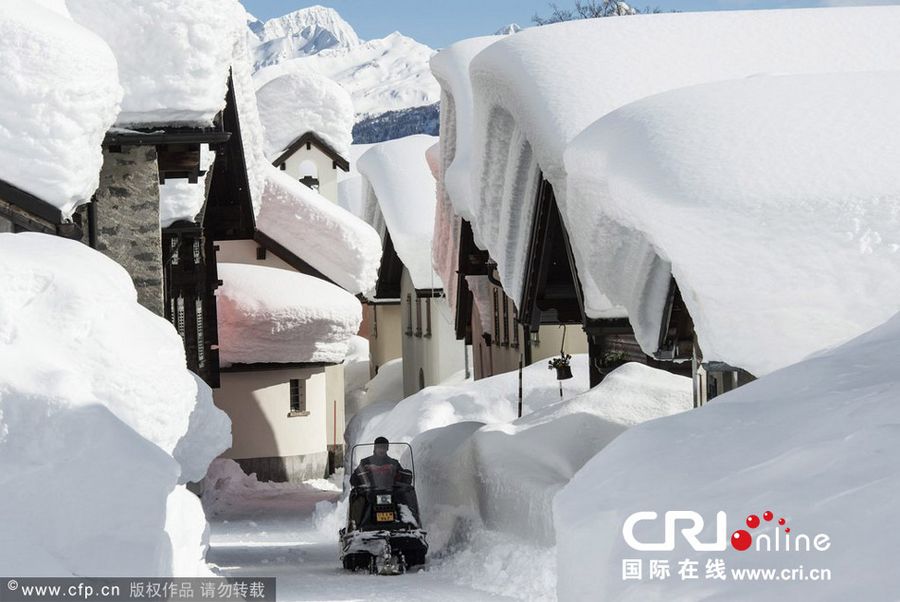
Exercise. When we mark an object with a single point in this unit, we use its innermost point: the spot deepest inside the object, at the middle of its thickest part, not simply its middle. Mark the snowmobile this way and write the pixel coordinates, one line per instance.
(384, 532)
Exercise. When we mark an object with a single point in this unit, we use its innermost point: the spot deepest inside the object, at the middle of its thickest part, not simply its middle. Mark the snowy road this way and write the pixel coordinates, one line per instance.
(273, 533)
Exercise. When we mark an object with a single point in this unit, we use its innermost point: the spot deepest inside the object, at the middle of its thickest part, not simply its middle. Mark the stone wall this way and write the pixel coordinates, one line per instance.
(126, 209)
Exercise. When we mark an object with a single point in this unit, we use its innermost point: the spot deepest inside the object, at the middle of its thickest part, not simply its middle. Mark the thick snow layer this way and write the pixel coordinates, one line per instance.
(401, 191)
(300, 33)
(297, 103)
(90, 419)
(536, 90)
(173, 56)
(338, 244)
(274, 315)
(814, 443)
(59, 94)
(387, 385)
(381, 75)
(451, 68)
(781, 227)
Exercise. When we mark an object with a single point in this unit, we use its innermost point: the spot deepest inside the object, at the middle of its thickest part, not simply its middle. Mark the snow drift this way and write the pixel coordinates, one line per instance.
(59, 95)
(273, 315)
(814, 443)
(90, 420)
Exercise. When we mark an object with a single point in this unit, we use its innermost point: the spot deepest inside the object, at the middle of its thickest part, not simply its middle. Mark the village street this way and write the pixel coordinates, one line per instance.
(275, 534)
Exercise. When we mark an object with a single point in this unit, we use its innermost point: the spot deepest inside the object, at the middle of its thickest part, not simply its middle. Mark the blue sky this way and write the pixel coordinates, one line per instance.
(439, 23)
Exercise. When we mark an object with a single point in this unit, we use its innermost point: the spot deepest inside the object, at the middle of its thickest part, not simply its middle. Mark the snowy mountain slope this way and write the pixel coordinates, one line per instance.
(300, 33)
(381, 75)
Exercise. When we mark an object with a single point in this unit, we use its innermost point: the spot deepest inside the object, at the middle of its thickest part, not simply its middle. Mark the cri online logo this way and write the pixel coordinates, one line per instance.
(691, 524)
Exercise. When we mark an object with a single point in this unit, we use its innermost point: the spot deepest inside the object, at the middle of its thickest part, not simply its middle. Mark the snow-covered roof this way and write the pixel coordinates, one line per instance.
(297, 103)
(451, 68)
(173, 56)
(329, 238)
(59, 94)
(350, 183)
(252, 135)
(536, 90)
(447, 227)
(775, 200)
(270, 315)
(400, 196)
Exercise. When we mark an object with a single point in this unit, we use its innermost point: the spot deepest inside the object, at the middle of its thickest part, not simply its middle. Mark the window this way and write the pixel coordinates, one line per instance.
(418, 317)
(496, 316)
(409, 315)
(298, 398)
(505, 341)
(260, 253)
(373, 325)
(515, 328)
(428, 317)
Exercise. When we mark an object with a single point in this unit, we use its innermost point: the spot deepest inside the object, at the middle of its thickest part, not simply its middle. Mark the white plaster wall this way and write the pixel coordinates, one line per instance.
(244, 251)
(258, 404)
(334, 404)
(327, 172)
(385, 334)
(438, 356)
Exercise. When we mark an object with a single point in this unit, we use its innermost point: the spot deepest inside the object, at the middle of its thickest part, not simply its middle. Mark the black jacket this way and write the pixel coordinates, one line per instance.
(376, 471)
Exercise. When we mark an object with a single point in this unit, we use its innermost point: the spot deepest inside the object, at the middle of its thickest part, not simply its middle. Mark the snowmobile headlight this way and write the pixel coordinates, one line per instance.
(383, 499)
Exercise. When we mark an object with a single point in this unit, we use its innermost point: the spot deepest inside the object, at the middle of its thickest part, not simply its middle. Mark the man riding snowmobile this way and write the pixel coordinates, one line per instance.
(383, 532)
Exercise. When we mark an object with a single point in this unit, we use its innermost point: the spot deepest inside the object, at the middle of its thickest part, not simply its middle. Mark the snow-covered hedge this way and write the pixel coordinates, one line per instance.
(815, 443)
(95, 399)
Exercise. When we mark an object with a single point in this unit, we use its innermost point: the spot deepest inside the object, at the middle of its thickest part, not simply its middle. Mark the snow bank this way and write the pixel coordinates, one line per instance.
(273, 315)
(813, 443)
(536, 90)
(381, 75)
(173, 56)
(229, 492)
(402, 193)
(489, 401)
(327, 237)
(297, 103)
(781, 227)
(89, 419)
(59, 95)
(207, 436)
(486, 480)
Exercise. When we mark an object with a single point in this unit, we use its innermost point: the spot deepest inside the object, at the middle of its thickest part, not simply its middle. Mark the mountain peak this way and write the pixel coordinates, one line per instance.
(508, 30)
(307, 22)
